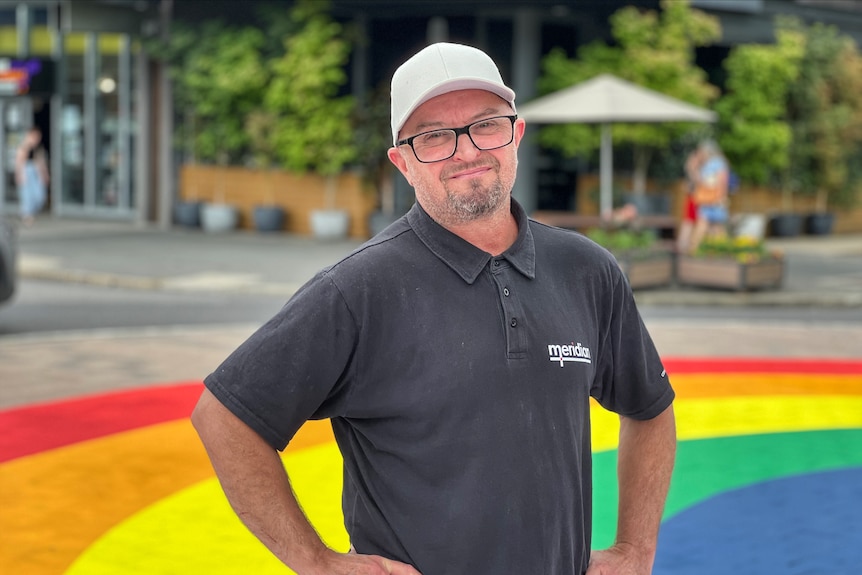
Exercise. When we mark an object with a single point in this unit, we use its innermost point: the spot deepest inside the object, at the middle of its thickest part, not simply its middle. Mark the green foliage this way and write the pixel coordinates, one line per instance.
(754, 132)
(825, 113)
(623, 240)
(373, 136)
(654, 50)
(268, 97)
(219, 76)
(313, 128)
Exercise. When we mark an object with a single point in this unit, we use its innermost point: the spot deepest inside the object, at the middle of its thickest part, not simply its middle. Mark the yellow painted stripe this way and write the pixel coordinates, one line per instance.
(195, 531)
(748, 415)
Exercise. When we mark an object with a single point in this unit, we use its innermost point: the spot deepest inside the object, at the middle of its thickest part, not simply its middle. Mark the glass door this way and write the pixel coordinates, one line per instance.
(96, 125)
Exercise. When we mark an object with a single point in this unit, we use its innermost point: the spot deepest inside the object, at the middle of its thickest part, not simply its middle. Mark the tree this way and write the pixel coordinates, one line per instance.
(654, 50)
(313, 125)
(824, 107)
(754, 131)
(220, 77)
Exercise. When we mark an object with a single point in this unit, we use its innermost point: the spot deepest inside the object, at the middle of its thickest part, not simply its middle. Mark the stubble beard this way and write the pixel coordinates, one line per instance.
(480, 201)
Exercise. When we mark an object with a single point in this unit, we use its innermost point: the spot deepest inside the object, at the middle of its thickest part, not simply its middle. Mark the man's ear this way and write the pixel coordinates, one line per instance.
(520, 126)
(398, 160)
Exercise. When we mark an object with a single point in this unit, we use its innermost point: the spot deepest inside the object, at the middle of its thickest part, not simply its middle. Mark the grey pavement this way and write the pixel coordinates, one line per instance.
(820, 270)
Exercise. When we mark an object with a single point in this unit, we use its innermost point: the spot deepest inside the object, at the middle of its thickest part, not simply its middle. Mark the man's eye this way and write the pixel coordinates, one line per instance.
(433, 138)
(487, 125)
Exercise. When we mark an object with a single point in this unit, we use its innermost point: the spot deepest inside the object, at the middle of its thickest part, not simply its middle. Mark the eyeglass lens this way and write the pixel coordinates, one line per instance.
(486, 134)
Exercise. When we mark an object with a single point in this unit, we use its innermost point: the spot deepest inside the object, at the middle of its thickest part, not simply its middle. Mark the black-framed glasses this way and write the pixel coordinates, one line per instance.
(439, 145)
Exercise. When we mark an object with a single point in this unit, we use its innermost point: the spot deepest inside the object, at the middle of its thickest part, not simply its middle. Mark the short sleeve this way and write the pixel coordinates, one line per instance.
(630, 378)
(294, 368)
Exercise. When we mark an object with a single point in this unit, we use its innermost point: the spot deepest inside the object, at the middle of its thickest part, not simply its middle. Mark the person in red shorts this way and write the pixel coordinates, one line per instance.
(689, 210)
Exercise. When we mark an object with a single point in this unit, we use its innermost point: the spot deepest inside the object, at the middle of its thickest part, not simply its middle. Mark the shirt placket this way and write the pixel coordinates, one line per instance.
(514, 322)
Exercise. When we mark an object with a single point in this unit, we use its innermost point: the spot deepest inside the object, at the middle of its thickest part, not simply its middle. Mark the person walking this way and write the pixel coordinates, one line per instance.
(710, 194)
(31, 175)
(455, 354)
(689, 211)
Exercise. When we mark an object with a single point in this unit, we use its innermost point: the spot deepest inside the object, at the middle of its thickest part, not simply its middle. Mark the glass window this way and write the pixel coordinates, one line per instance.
(108, 128)
(8, 32)
(113, 112)
(72, 120)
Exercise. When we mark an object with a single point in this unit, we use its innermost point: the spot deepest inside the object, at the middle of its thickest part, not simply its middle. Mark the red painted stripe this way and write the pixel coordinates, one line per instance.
(762, 365)
(31, 429)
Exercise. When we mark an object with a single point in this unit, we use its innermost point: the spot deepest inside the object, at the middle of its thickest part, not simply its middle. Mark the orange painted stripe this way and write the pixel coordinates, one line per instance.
(762, 365)
(693, 385)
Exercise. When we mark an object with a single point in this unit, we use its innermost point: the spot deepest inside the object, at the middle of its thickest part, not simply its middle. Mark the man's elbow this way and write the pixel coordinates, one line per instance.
(206, 413)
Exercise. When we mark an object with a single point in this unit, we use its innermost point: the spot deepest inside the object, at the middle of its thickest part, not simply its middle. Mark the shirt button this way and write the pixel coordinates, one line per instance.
(496, 263)
(514, 322)
(506, 292)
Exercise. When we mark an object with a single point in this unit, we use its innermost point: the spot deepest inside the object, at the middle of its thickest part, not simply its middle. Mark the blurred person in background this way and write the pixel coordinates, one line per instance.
(712, 176)
(31, 175)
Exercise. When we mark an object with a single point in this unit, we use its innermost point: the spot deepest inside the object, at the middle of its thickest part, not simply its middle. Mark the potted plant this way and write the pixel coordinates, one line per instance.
(373, 138)
(268, 216)
(313, 128)
(741, 263)
(219, 77)
(826, 112)
(642, 259)
(755, 129)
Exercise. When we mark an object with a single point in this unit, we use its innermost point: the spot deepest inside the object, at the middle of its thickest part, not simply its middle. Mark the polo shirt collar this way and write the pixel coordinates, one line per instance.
(464, 258)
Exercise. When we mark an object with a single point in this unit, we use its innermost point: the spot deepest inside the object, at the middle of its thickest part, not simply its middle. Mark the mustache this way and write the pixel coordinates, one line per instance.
(489, 162)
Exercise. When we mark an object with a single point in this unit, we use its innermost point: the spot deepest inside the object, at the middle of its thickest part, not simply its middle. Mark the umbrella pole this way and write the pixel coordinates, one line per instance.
(606, 172)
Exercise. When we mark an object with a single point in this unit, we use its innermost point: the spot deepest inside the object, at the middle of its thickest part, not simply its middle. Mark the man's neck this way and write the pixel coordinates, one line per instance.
(494, 234)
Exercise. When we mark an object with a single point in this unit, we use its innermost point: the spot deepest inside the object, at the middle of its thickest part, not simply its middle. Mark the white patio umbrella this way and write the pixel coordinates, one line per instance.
(607, 100)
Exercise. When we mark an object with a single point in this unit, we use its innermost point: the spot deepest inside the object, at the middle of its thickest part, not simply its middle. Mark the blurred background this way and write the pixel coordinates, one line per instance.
(149, 108)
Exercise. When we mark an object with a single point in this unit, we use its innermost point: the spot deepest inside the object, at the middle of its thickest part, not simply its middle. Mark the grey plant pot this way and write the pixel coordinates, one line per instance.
(819, 223)
(217, 218)
(268, 218)
(785, 225)
(187, 214)
(330, 224)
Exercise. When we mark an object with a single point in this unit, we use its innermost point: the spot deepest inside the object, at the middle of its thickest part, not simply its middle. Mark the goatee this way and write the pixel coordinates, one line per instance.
(479, 202)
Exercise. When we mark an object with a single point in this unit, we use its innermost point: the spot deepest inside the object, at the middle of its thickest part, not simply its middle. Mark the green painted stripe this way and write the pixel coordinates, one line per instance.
(707, 467)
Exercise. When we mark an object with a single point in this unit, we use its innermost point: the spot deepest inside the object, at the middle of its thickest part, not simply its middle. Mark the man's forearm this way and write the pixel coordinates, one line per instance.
(645, 463)
(254, 480)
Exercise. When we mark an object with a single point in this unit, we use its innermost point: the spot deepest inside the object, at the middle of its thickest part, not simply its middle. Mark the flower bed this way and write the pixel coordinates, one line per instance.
(647, 270)
(645, 264)
(738, 264)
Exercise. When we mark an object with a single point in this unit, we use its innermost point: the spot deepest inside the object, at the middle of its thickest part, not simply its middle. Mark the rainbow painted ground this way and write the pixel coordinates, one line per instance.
(768, 479)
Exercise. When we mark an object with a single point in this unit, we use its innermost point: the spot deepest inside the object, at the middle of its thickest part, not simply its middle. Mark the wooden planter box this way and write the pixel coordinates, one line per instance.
(728, 273)
(647, 270)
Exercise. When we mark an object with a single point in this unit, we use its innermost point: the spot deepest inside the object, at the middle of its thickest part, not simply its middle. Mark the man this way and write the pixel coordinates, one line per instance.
(455, 354)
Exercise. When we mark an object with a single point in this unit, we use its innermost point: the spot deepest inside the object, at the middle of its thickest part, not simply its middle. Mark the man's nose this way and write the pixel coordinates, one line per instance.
(466, 149)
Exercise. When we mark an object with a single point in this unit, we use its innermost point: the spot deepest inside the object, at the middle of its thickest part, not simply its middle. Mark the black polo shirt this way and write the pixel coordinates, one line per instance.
(458, 386)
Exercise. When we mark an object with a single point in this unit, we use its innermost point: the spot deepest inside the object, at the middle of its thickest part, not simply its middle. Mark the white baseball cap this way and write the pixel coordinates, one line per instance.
(438, 69)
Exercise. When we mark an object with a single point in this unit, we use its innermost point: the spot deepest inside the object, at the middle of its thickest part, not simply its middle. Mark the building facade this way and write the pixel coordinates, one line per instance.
(78, 70)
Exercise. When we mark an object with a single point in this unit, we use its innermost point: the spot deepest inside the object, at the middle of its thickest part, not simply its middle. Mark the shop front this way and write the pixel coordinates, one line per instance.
(83, 89)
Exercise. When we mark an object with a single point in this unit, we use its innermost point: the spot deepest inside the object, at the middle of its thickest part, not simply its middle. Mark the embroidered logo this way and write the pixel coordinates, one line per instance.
(569, 352)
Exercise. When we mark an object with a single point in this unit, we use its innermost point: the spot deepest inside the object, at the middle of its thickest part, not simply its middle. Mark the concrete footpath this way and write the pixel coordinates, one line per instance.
(820, 270)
